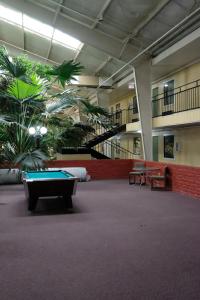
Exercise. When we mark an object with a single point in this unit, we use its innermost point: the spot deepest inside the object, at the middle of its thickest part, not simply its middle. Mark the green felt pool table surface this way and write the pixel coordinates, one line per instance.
(40, 175)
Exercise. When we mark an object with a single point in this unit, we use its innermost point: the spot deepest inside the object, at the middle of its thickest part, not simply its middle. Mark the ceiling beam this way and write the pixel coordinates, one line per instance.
(78, 52)
(100, 15)
(145, 51)
(87, 19)
(103, 64)
(143, 23)
(84, 23)
(94, 38)
(23, 32)
(53, 24)
(28, 52)
(68, 9)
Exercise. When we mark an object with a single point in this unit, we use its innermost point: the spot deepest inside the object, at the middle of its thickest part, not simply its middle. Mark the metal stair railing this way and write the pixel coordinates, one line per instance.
(110, 148)
(118, 118)
(102, 133)
(113, 151)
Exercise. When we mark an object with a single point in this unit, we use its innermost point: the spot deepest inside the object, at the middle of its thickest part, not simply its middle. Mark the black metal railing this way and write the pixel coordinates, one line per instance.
(182, 98)
(110, 148)
(113, 150)
(117, 118)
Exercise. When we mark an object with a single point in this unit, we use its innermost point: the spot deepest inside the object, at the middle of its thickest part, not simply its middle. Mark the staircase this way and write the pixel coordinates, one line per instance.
(100, 147)
(104, 136)
(110, 150)
(98, 155)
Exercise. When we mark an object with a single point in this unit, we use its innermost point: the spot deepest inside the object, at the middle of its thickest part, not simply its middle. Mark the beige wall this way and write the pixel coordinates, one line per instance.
(180, 78)
(73, 156)
(188, 138)
(127, 142)
(125, 99)
(189, 146)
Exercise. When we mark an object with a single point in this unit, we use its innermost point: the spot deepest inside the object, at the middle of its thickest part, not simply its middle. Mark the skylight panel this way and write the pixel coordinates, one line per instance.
(37, 26)
(66, 40)
(10, 15)
(40, 28)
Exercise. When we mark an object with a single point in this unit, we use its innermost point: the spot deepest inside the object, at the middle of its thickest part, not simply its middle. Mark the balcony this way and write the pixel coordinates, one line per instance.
(178, 106)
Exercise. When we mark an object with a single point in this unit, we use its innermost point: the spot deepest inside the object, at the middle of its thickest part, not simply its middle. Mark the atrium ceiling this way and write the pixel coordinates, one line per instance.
(108, 34)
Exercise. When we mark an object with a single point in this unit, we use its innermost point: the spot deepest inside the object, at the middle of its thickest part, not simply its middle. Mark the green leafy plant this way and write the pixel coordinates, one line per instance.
(28, 98)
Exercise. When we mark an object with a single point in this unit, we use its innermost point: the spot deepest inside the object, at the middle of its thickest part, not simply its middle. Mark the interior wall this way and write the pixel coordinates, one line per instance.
(131, 142)
(186, 149)
(124, 100)
(187, 75)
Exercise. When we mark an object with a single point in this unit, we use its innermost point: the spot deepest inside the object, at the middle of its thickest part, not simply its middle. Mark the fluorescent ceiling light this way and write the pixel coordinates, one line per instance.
(10, 15)
(66, 40)
(131, 85)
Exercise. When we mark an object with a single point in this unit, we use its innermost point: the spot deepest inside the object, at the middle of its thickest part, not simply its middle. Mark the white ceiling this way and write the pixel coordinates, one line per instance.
(113, 32)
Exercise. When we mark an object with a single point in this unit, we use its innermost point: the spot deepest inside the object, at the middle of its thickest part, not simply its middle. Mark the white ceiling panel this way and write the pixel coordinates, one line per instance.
(59, 53)
(36, 44)
(11, 34)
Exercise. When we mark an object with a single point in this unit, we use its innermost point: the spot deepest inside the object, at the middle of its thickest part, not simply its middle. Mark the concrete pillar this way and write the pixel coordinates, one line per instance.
(143, 93)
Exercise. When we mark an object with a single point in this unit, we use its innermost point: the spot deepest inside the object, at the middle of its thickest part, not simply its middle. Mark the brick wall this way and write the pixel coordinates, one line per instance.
(184, 179)
(98, 169)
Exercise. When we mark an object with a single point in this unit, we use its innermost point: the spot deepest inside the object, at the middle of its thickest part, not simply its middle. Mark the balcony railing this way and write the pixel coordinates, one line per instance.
(180, 99)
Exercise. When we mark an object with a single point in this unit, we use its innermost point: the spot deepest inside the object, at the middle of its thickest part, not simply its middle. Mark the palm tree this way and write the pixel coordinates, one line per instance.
(26, 99)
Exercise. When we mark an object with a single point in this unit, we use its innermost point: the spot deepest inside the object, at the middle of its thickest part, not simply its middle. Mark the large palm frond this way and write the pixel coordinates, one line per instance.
(10, 68)
(6, 120)
(32, 160)
(91, 109)
(64, 100)
(22, 90)
(66, 71)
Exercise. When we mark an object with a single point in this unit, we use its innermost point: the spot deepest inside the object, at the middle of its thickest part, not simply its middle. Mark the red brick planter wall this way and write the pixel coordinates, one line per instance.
(98, 169)
(184, 179)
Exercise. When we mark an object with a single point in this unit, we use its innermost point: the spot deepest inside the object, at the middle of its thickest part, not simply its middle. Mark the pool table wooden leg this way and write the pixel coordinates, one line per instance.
(68, 201)
(32, 202)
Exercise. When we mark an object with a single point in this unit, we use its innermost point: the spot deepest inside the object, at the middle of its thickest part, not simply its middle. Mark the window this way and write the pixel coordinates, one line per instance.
(169, 92)
(169, 146)
(137, 145)
(155, 102)
(135, 106)
(118, 111)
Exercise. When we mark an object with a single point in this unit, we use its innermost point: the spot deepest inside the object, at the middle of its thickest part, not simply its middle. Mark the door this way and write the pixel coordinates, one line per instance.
(155, 102)
(155, 148)
(168, 107)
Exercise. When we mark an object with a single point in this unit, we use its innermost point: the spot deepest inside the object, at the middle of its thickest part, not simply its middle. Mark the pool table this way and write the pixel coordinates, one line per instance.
(48, 183)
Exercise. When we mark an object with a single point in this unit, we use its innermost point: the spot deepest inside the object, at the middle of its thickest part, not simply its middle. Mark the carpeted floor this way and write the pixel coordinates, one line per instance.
(121, 243)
